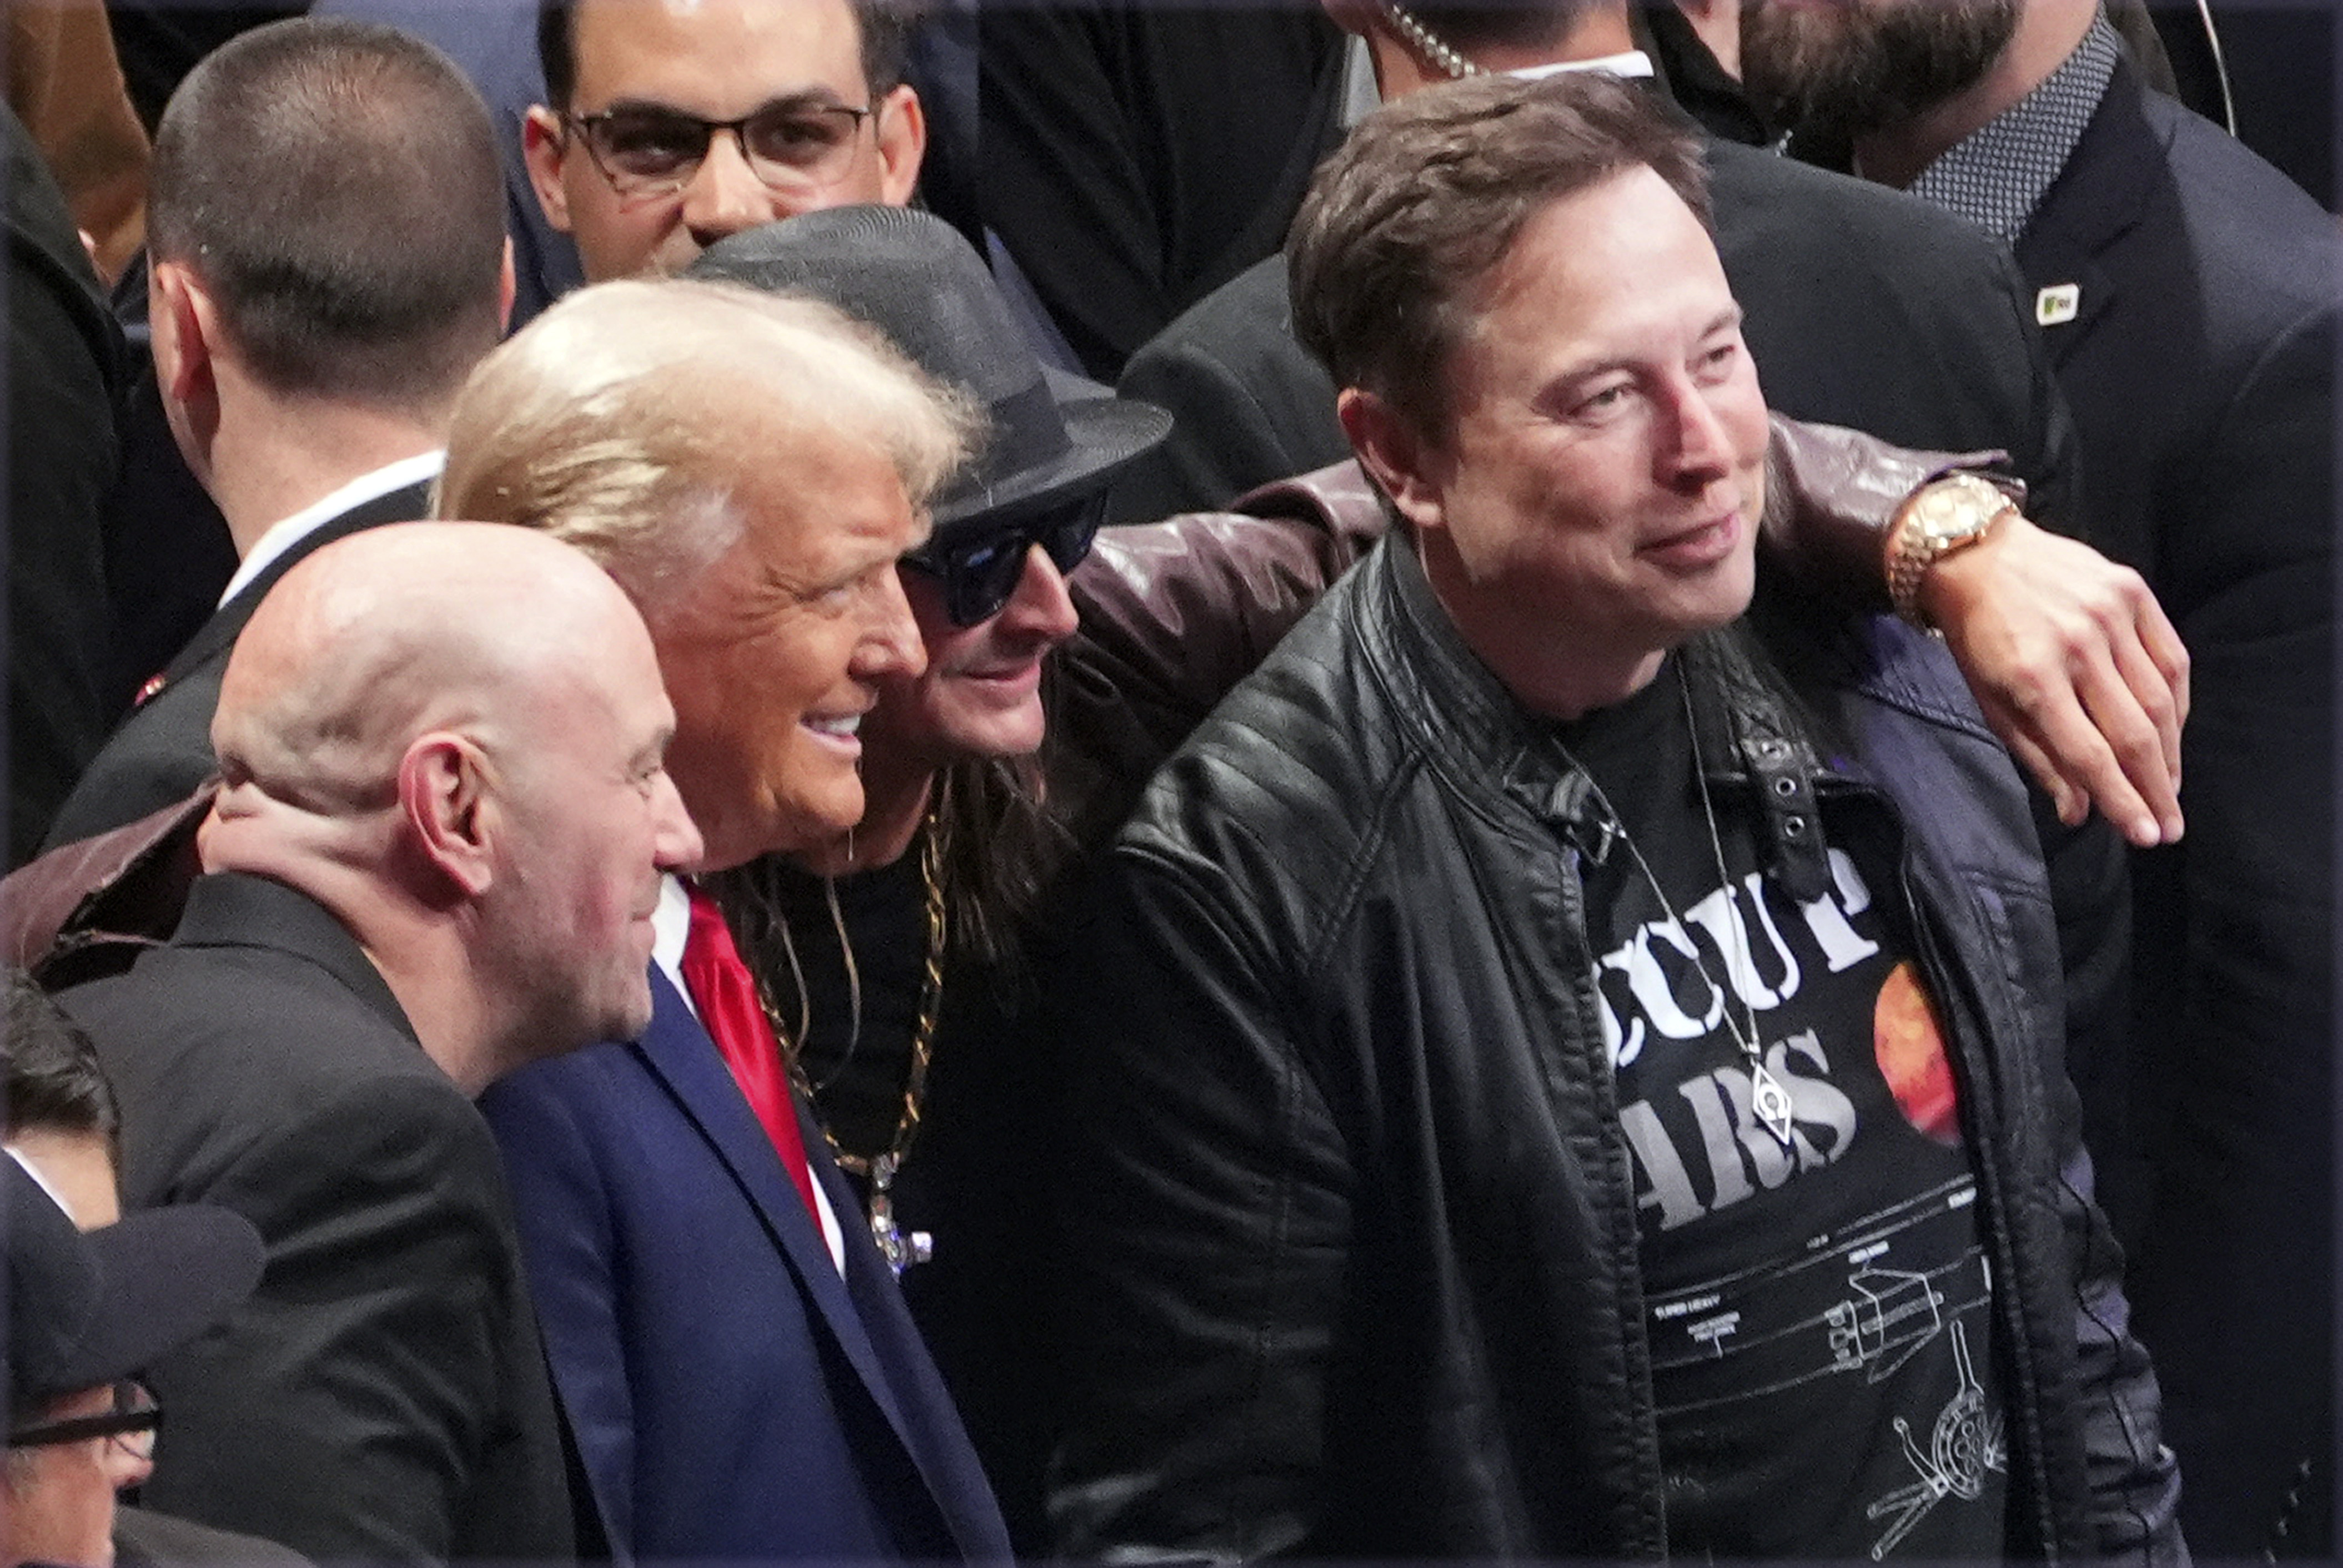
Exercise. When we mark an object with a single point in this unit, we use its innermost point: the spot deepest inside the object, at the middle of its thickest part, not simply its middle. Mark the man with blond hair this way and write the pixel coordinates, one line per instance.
(739, 1366)
(434, 857)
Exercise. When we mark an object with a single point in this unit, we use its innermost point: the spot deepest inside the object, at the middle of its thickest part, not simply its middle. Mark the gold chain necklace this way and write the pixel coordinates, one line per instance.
(901, 1247)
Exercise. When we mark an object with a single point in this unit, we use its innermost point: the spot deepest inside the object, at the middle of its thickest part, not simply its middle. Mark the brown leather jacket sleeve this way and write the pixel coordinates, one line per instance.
(1829, 495)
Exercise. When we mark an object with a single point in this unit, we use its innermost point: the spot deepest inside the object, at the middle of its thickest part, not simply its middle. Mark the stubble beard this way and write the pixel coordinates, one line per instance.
(1860, 65)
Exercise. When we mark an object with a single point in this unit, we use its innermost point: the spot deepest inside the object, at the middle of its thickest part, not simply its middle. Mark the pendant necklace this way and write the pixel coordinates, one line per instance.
(1769, 1099)
(900, 1247)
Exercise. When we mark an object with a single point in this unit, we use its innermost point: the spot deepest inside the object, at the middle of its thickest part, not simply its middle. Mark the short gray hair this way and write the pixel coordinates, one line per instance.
(621, 419)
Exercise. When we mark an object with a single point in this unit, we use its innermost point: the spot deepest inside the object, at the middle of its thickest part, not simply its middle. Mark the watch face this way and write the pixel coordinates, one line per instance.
(1953, 513)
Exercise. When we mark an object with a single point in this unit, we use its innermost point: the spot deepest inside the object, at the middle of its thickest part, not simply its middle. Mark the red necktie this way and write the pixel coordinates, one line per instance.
(727, 994)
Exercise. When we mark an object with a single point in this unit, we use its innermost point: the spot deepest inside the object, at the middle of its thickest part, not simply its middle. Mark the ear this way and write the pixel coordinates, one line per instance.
(1411, 470)
(544, 147)
(902, 133)
(508, 287)
(182, 323)
(449, 811)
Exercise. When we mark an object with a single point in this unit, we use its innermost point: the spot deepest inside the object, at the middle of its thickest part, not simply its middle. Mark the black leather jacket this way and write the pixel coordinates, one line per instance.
(1351, 1220)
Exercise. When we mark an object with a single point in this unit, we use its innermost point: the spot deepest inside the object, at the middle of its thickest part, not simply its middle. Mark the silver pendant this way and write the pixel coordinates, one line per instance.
(1771, 1101)
(901, 1247)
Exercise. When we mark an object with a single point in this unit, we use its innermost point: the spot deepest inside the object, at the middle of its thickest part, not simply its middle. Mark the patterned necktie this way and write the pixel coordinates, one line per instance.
(727, 995)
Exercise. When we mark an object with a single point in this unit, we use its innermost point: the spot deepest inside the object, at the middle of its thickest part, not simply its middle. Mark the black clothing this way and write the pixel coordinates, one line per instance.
(145, 1539)
(1354, 1240)
(863, 971)
(1779, 1443)
(1694, 80)
(158, 42)
(1137, 155)
(65, 375)
(383, 1396)
(976, 1178)
(168, 551)
(2200, 366)
(2280, 60)
(163, 750)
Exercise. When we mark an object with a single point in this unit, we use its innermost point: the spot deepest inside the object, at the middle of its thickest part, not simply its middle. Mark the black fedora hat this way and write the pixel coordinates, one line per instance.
(86, 1308)
(1055, 437)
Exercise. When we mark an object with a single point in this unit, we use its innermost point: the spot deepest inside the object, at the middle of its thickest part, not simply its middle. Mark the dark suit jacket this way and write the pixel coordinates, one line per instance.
(382, 1397)
(163, 748)
(1865, 307)
(2200, 368)
(1137, 154)
(145, 1539)
(733, 1396)
(65, 376)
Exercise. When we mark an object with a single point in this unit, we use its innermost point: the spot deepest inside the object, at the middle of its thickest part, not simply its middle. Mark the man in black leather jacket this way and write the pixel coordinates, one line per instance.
(1582, 1074)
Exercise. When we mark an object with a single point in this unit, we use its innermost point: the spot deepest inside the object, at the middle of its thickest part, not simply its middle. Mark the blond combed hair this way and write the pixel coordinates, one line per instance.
(622, 419)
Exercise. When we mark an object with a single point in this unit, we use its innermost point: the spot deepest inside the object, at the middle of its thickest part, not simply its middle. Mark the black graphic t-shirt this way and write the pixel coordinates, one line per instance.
(1819, 1310)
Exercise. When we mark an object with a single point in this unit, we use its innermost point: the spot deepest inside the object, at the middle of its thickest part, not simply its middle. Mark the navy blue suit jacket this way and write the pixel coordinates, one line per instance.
(733, 1395)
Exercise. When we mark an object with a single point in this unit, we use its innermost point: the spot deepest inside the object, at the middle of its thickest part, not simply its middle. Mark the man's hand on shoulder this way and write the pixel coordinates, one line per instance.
(2076, 669)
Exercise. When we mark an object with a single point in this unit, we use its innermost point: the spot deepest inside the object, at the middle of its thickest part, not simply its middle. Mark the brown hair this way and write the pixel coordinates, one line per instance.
(335, 186)
(1428, 194)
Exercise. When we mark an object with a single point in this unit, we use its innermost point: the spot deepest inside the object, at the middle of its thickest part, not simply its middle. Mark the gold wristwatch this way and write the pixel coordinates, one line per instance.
(1942, 517)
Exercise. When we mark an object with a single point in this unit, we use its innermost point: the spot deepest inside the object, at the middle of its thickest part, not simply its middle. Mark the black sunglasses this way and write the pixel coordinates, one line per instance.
(979, 571)
(132, 1422)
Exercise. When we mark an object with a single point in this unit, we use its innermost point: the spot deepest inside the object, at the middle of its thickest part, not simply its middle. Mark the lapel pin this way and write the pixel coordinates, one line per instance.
(2057, 304)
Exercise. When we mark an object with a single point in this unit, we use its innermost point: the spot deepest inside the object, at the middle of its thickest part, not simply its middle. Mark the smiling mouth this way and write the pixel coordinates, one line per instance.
(841, 727)
(1697, 545)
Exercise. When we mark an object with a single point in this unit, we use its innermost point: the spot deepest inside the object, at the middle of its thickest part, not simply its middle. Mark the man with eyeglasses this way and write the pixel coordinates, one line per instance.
(668, 124)
(84, 1313)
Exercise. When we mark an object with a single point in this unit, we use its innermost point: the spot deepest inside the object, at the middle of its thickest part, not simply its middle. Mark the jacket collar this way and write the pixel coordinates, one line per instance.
(2099, 198)
(236, 910)
(1441, 689)
(219, 634)
(1752, 729)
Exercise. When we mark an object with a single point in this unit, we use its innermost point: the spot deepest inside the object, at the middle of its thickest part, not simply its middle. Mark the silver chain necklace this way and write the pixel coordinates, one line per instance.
(1428, 44)
(1768, 1098)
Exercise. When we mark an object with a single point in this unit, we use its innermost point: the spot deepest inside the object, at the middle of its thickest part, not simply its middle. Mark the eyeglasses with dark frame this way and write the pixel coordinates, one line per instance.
(980, 572)
(130, 1426)
(643, 149)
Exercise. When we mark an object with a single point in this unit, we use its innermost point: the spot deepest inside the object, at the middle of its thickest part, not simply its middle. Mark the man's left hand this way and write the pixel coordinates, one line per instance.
(2078, 670)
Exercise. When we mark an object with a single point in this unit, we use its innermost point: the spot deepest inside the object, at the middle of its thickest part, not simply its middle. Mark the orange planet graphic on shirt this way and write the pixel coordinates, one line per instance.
(1911, 1051)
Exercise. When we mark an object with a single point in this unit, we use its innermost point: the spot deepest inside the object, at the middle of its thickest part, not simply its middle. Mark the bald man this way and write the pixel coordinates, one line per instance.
(439, 841)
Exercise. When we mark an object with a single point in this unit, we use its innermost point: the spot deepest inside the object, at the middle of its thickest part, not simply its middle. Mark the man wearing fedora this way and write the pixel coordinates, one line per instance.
(891, 954)
(86, 1312)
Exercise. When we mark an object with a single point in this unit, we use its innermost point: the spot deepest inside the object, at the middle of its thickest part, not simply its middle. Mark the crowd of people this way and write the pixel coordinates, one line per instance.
(754, 918)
